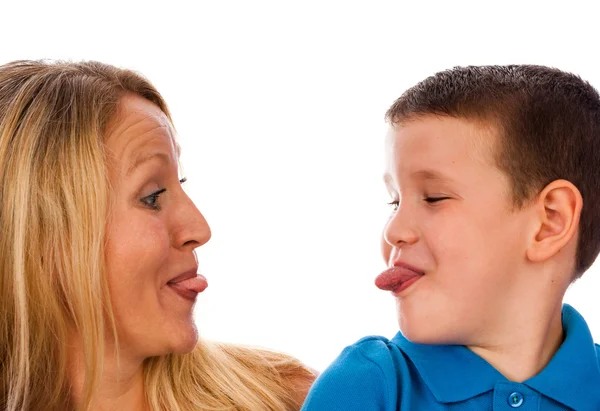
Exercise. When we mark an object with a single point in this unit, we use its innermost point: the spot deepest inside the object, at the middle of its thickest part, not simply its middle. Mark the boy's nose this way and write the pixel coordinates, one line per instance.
(400, 229)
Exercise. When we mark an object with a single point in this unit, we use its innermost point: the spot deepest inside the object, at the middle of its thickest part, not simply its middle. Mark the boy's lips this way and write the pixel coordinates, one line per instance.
(397, 278)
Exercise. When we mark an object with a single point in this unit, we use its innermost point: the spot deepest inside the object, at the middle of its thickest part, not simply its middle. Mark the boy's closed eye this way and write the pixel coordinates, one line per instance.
(430, 200)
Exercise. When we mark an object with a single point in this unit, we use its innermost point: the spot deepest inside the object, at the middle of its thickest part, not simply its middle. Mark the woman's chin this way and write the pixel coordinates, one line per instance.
(177, 337)
(186, 342)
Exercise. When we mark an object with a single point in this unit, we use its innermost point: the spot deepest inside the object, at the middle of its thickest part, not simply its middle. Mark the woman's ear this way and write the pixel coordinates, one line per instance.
(558, 208)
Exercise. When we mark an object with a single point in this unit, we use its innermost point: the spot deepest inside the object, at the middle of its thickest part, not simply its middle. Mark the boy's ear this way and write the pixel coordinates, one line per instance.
(558, 208)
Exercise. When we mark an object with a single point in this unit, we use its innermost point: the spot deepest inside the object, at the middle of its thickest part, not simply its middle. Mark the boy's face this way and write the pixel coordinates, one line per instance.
(454, 223)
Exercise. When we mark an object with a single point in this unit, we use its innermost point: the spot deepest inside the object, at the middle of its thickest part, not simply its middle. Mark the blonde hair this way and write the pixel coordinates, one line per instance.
(54, 195)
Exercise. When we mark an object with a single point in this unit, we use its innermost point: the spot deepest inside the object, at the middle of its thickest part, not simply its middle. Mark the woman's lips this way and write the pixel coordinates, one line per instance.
(189, 287)
(397, 279)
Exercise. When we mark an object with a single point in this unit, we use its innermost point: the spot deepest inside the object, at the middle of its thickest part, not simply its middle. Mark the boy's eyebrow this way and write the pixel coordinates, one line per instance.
(433, 175)
(425, 175)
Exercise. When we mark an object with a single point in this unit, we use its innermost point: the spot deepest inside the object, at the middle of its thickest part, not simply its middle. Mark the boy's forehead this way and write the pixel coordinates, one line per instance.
(429, 145)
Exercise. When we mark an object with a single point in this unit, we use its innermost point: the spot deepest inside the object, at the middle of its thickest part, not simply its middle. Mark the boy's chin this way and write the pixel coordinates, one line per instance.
(417, 337)
(427, 334)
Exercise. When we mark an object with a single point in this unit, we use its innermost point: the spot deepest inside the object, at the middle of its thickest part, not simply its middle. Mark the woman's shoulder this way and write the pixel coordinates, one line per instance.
(292, 377)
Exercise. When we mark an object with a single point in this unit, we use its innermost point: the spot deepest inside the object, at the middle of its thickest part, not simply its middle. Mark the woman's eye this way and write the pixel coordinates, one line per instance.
(151, 201)
(432, 200)
(394, 204)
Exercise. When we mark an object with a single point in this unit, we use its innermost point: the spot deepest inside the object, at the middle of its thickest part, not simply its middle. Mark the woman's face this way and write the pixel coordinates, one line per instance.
(152, 231)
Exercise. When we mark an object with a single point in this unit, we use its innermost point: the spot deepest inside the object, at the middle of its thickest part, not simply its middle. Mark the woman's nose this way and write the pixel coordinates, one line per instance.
(191, 230)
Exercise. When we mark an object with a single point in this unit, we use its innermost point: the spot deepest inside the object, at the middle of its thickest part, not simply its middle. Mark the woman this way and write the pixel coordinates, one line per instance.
(98, 274)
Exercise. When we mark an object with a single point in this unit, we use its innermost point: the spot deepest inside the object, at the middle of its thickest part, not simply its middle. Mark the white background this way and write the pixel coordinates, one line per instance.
(279, 106)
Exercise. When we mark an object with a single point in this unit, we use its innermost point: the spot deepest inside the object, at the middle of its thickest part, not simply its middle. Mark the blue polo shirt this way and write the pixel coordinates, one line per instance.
(377, 374)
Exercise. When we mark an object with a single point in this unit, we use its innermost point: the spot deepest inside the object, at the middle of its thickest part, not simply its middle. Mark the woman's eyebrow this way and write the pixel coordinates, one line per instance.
(387, 179)
(145, 157)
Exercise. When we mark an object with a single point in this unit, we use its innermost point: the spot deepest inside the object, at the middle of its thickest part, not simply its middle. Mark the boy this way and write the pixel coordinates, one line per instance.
(494, 174)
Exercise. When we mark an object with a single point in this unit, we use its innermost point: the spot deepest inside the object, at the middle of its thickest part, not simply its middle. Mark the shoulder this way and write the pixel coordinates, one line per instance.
(377, 349)
(373, 355)
(299, 385)
(362, 377)
(281, 375)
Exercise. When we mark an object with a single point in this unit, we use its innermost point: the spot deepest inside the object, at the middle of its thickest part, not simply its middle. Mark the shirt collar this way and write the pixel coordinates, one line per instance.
(572, 377)
(454, 373)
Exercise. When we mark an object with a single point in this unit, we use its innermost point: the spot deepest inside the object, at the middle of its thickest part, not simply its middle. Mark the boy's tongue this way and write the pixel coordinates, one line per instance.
(394, 277)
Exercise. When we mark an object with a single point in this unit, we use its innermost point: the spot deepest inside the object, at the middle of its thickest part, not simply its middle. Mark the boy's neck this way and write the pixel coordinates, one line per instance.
(528, 343)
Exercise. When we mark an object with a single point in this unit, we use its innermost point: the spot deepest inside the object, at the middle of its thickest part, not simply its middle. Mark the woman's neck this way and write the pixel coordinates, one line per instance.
(121, 385)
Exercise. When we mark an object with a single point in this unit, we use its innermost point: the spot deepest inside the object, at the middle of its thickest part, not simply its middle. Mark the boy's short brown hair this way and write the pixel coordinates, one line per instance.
(549, 123)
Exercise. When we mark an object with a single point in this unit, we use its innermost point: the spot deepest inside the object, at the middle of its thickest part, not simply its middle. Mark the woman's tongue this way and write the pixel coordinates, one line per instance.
(196, 284)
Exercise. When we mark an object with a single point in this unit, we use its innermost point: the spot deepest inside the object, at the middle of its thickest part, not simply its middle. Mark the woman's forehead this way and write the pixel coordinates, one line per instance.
(137, 112)
(140, 129)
